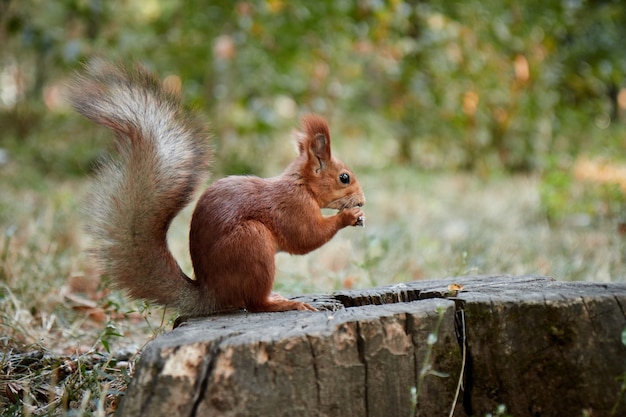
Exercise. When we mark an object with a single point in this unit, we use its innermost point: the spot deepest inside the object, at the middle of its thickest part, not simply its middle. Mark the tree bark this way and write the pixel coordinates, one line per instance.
(537, 346)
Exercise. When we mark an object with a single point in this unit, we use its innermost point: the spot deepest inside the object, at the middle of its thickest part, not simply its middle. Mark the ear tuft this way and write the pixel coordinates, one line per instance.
(316, 138)
(313, 125)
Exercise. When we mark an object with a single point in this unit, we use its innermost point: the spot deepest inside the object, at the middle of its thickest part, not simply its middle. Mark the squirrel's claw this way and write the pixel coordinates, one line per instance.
(360, 221)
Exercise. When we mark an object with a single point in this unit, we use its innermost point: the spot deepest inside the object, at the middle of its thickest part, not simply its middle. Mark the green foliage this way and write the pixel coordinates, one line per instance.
(481, 85)
(591, 187)
(110, 331)
(557, 188)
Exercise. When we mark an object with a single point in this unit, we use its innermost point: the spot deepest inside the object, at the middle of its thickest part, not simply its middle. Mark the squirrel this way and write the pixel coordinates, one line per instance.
(239, 222)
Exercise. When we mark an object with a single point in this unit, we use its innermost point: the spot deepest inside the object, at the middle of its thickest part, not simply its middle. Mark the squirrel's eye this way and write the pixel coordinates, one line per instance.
(344, 178)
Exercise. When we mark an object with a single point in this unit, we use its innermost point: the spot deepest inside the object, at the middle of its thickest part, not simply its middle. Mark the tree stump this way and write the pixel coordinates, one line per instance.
(536, 346)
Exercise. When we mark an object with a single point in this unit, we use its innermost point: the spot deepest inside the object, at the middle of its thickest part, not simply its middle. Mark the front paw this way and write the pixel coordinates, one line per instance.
(353, 217)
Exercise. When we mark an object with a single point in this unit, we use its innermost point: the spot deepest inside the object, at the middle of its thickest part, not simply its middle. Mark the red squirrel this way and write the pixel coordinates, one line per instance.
(239, 222)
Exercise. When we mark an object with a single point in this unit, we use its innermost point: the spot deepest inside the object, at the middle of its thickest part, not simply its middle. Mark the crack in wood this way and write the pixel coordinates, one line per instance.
(315, 372)
(360, 344)
(390, 295)
(619, 304)
(467, 371)
(204, 376)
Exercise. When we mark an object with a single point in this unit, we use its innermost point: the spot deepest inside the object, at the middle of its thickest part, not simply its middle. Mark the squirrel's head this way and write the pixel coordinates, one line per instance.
(332, 184)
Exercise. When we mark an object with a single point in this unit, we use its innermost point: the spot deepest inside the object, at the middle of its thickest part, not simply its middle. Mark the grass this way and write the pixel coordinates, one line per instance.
(68, 344)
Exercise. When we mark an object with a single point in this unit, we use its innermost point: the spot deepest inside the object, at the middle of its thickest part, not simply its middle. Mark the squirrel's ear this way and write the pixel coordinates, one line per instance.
(316, 137)
(319, 151)
(320, 146)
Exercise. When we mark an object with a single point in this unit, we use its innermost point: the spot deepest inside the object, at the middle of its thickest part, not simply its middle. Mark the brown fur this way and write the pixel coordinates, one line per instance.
(239, 222)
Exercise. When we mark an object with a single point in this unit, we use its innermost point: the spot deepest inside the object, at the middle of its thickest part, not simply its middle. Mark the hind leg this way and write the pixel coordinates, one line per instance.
(261, 298)
(243, 273)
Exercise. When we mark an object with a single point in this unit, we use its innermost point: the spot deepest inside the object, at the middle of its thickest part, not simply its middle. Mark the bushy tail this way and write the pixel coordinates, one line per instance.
(162, 158)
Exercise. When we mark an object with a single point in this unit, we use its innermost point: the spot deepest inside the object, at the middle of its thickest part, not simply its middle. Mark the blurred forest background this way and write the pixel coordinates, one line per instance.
(489, 137)
(473, 85)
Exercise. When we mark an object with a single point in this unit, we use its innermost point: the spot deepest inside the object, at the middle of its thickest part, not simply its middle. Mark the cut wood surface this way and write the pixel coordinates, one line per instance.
(537, 346)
